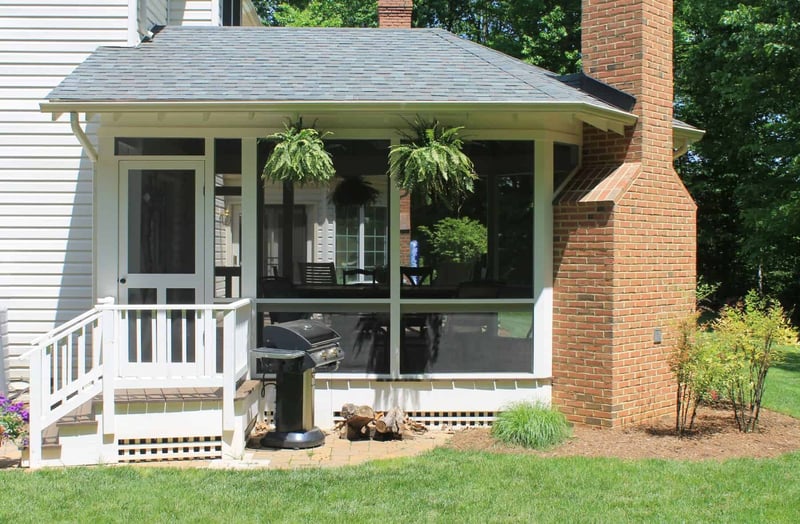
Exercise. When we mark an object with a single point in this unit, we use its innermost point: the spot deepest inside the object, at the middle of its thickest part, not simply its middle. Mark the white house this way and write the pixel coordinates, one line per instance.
(144, 196)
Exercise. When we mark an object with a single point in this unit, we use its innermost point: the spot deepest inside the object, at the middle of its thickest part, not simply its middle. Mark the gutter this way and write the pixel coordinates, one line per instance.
(245, 106)
(74, 122)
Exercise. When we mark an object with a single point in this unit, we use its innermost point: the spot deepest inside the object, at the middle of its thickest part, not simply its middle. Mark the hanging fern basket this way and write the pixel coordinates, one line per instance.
(431, 161)
(354, 191)
(299, 156)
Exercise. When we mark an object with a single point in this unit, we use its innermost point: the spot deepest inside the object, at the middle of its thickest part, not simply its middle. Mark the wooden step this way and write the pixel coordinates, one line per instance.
(80, 417)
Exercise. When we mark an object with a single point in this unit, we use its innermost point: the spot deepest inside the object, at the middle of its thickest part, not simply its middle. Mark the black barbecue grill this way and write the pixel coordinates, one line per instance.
(293, 351)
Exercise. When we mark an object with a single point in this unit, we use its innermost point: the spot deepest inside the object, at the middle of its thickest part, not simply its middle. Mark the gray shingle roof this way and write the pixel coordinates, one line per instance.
(271, 64)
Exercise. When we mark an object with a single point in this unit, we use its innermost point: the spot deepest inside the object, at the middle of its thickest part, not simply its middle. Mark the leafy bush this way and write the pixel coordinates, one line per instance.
(532, 425)
(697, 369)
(457, 239)
(747, 336)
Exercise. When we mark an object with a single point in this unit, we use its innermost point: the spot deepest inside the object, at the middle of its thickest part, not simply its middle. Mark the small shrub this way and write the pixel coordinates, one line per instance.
(747, 337)
(697, 369)
(532, 425)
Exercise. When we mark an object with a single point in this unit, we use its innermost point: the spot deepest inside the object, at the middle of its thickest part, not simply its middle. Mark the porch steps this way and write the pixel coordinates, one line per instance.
(75, 438)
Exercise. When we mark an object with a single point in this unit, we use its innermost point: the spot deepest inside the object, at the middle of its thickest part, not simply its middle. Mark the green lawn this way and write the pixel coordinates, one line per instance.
(782, 392)
(441, 486)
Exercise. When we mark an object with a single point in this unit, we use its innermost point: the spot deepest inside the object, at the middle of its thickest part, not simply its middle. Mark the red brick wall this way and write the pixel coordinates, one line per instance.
(394, 13)
(654, 278)
(582, 312)
(627, 268)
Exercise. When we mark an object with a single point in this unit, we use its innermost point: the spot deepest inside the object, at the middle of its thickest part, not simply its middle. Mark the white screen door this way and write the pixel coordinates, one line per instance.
(161, 250)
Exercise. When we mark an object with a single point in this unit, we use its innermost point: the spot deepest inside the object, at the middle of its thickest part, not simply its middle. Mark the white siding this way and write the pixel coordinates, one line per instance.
(192, 12)
(45, 180)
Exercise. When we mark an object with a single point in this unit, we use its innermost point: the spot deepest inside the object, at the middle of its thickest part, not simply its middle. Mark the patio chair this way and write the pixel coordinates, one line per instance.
(317, 273)
(369, 273)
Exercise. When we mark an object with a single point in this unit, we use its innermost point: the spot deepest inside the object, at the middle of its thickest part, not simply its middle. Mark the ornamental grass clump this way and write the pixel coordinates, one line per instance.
(531, 425)
(14, 420)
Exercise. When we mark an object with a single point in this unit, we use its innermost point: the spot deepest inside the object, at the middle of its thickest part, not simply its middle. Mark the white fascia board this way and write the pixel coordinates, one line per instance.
(614, 116)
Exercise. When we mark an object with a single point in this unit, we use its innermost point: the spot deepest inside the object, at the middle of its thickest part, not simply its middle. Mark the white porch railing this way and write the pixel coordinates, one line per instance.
(115, 347)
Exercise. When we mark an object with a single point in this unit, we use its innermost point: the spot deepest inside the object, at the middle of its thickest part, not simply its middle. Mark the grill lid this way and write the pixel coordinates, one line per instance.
(302, 335)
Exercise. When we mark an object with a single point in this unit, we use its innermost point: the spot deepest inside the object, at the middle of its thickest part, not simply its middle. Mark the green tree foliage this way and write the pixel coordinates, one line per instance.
(737, 75)
(542, 32)
(456, 239)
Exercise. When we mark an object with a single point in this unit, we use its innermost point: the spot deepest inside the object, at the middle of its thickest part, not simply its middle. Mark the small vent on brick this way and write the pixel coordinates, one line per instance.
(445, 419)
(173, 448)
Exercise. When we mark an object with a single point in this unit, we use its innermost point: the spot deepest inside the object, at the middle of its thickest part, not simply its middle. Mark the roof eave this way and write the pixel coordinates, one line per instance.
(584, 111)
(684, 136)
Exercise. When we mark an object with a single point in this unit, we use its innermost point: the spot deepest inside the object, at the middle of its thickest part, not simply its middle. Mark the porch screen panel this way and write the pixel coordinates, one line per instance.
(228, 241)
(161, 221)
(475, 342)
(489, 238)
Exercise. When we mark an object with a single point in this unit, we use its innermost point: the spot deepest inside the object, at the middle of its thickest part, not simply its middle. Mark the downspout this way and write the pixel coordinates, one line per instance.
(682, 150)
(91, 152)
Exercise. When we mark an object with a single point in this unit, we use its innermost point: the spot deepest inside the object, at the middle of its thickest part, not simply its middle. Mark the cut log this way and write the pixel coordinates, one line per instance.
(357, 420)
(391, 421)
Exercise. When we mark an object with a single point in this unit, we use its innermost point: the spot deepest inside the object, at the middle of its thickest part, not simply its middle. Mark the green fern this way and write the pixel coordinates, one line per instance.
(299, 156)
(431, 161)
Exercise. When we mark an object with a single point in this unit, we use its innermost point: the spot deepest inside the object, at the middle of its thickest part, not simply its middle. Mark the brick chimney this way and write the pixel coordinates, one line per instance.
(628, 45)
(395, 13)
(624, 235)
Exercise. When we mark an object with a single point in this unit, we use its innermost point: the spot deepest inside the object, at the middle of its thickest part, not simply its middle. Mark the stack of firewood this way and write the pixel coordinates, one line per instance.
(363, 422)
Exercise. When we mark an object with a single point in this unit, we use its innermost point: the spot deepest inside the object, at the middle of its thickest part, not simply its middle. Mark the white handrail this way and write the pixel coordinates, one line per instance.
(54, 364)
(63, 327)
(169, 307)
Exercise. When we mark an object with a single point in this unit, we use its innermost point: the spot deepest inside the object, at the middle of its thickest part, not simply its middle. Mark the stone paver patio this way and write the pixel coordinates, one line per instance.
(335, 452)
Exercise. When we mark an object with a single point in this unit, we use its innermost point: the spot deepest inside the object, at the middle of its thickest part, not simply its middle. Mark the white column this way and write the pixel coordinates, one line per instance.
(543, 259)
(394, 276)
(106, 209)
(249, 213)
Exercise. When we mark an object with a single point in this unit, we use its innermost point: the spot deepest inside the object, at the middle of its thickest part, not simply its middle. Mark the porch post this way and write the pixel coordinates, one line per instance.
(250, 213)
(394, 276)
(543, 259)
(110, 349)
(37, 395)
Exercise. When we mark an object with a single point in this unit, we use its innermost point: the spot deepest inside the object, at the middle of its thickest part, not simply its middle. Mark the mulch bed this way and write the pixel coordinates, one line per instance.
(715, 437)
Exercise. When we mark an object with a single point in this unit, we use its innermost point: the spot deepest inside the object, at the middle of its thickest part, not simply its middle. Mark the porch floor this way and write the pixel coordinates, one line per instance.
(335, 452)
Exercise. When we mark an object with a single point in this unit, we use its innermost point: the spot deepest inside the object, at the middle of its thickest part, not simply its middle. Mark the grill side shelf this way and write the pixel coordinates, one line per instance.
(279, 354)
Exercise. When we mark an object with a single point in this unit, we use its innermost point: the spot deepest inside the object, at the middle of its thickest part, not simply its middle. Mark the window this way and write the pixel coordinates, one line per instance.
(361, 236)
(159, 146)
(232, 12)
